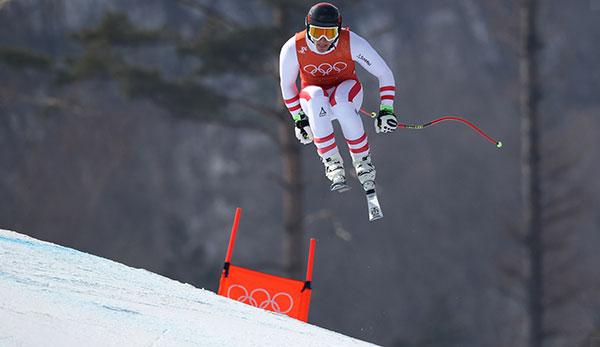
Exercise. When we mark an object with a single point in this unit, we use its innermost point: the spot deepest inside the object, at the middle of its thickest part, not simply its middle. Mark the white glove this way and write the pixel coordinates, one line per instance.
(303, 132)
(386, 121)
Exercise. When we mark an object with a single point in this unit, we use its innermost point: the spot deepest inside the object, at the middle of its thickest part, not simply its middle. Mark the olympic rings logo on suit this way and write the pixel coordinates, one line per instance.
(325, 68)
(268, 301)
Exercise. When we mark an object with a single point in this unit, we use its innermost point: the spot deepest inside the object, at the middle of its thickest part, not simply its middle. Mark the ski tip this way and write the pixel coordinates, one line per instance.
(340, 188)
(374, 218)
(344, 189)
(375, 213)
(499, 144)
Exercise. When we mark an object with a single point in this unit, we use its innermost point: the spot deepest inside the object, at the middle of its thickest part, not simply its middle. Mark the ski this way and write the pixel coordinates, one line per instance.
(372, 201)
(340, 187)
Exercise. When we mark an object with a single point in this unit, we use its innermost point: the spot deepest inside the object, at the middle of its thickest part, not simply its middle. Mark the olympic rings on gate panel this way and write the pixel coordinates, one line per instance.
(251, 299)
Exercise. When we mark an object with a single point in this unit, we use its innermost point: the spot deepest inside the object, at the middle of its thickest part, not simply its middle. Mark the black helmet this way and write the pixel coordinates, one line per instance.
(324, 14)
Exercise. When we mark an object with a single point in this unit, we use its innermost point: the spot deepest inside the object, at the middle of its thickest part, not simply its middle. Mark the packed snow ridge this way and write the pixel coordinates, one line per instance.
(56, 296)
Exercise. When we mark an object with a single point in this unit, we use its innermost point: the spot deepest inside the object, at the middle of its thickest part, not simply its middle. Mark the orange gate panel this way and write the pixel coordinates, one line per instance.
(274, 293)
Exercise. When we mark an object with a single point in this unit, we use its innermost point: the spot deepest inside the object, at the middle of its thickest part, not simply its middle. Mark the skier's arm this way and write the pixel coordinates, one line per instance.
(288, 73)
(370, 60)
(365, 55)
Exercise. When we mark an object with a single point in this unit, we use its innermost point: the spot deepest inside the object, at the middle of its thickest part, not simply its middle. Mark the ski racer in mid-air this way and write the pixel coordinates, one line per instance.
(324, 54)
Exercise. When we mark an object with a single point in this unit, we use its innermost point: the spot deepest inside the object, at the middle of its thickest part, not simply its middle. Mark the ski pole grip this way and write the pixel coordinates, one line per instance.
(304, 133)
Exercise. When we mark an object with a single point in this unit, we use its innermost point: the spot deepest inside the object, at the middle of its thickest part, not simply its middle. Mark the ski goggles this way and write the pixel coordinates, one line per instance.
(330, 33)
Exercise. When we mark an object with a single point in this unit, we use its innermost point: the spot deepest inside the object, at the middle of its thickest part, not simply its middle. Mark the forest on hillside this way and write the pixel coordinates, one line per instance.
(133, 129)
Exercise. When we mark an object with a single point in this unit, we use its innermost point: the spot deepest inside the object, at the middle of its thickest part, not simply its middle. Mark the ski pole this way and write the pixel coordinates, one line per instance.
(438, 120)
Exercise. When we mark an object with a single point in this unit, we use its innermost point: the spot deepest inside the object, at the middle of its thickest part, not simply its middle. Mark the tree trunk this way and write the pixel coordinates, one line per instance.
(293, 186)
(530, 165)
(293, 207)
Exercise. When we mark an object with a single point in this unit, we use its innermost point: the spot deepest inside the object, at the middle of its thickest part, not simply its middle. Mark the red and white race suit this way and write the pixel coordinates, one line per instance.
(330, 88)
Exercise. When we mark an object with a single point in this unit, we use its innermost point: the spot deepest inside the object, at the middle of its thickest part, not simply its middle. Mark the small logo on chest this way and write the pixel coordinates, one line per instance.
(302, 50)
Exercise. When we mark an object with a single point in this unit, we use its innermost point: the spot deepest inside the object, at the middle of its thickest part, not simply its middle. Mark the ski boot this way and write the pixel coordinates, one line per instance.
(334, 170)
(366, 176)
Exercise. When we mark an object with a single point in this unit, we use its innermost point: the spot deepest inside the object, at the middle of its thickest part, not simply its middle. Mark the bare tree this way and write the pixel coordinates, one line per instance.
(221, 44)
(550, 202)
(530, 168)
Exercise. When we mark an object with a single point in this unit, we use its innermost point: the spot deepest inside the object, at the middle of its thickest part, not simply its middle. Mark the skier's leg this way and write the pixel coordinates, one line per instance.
(315, 103)
(346, 100)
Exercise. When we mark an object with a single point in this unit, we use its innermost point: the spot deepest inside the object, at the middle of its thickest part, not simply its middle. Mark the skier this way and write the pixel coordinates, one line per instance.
(324, 54)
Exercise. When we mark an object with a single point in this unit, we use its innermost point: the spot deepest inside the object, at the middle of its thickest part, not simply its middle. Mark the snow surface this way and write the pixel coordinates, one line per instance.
(56, 296)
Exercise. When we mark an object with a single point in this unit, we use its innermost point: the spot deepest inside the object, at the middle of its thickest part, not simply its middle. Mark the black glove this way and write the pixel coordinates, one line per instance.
(303, 132)
(386, 121)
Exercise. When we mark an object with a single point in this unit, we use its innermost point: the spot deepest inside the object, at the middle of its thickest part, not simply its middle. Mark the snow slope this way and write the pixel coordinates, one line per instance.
(56, 296)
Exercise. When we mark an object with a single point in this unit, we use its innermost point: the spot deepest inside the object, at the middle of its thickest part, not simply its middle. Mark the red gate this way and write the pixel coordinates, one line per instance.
(273, 293)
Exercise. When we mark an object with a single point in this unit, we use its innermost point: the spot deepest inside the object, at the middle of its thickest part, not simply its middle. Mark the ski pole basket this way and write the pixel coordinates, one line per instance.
(273, 293)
